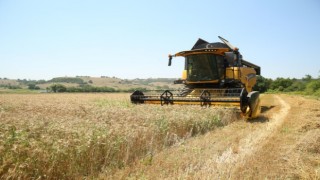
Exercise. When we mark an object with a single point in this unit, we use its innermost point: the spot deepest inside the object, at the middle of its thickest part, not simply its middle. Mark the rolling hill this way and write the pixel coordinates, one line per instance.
(103, 81)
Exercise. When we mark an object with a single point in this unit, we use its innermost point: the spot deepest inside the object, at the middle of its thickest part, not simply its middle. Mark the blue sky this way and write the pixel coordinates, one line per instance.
(132, 39)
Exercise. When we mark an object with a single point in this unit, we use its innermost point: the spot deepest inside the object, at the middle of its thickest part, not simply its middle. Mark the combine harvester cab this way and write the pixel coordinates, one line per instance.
(215, 74)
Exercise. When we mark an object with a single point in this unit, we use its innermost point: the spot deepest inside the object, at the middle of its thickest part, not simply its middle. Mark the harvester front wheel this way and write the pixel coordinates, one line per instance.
(250, 104)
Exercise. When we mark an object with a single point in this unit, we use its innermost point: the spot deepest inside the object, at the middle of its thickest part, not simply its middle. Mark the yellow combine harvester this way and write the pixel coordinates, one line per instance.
(214, 75)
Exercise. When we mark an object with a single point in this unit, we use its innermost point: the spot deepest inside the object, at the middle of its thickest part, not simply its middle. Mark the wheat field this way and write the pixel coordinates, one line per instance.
(68, 136)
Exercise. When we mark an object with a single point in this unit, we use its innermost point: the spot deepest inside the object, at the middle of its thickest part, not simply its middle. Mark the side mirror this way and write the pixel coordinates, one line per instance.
(170, 60)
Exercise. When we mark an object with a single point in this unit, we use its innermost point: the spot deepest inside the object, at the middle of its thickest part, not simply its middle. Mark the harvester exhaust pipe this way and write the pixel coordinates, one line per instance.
(170, 60)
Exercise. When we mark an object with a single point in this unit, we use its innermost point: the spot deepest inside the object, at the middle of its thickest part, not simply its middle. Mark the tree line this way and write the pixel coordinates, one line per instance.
(57, 88)
(87, 88)
(306, 85)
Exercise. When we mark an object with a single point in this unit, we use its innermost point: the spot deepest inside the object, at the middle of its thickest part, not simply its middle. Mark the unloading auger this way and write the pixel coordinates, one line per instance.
(215, 74)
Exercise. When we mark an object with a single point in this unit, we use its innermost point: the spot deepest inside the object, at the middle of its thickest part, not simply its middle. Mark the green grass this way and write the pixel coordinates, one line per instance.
(18, 91)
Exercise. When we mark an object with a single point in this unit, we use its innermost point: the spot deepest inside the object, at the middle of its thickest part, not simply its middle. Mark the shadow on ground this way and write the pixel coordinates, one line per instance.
(260, 119)
(266, 108)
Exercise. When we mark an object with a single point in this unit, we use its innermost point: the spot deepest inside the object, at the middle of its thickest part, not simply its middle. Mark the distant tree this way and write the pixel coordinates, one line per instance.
(281, 84)
(307, 78)
(13, 87)
(297, 85)
(313, 86)
(33, 86)
(88, 88)
(90, 81)
(263, 84)
(58, 88)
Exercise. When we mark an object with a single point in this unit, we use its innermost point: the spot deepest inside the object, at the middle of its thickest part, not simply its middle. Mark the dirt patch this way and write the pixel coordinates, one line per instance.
(291, 152)
(238, 152)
